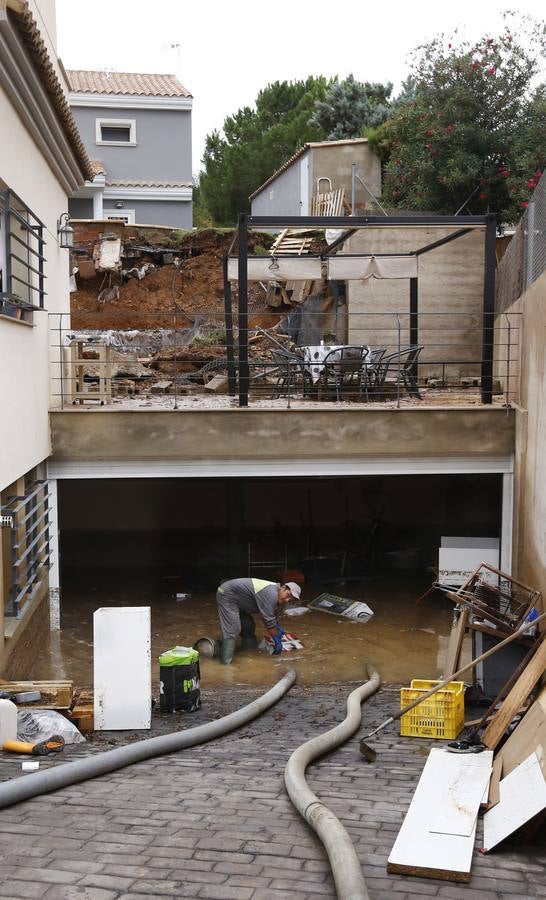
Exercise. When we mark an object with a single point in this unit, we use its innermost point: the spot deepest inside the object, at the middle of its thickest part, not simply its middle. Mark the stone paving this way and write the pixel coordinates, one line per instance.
(215, 821)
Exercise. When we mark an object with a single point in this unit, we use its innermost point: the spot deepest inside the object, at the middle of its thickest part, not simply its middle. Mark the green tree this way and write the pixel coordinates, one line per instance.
(351, 106)
(256, 142)
(470, 130)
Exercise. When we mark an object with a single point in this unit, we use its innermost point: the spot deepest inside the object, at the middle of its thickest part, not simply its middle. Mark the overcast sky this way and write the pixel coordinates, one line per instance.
(228, 51)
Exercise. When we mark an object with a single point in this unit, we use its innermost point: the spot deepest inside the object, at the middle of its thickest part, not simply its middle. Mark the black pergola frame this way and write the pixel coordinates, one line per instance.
(352, 224)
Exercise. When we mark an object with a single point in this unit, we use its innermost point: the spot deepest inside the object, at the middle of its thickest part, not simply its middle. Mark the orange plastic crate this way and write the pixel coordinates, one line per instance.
(440, 716)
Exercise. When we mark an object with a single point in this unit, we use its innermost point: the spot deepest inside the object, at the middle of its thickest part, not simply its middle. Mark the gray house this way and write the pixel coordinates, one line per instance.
(137, 130)
(322, 178)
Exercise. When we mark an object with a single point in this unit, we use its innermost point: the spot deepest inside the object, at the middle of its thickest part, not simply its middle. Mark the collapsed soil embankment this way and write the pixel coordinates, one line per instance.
(183, 278)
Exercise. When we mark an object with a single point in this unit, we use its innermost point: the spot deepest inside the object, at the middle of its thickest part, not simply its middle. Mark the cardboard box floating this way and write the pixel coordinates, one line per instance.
(355, 610)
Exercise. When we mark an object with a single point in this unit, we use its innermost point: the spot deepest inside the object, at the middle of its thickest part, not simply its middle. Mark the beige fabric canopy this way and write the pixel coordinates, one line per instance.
(334, 268)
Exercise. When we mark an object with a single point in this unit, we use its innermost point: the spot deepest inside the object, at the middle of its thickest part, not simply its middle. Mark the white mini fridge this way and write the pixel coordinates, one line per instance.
(122, 668)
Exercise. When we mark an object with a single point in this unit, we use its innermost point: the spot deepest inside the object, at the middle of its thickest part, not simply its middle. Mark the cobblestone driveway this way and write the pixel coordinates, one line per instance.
(215, 822)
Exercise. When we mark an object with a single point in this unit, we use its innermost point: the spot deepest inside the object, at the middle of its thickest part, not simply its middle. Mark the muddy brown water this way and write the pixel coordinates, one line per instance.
(403, 640)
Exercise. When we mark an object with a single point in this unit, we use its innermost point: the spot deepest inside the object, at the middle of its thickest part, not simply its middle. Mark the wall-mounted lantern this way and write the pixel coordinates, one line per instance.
(65, 232)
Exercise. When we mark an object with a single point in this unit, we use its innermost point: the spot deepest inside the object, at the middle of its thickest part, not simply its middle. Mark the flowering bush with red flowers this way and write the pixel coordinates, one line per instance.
(469, 127)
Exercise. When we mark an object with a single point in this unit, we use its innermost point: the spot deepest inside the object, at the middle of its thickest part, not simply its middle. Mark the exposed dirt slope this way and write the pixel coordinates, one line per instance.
(187, 279)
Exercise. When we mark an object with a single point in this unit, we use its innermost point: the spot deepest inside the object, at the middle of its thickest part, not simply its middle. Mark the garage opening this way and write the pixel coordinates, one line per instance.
(168, 543)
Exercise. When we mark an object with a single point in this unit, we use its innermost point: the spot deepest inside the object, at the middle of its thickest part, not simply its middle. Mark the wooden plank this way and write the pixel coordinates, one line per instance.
(517, 696)
(522, 797)
(55, 694)
(455, 644)
(419, 851)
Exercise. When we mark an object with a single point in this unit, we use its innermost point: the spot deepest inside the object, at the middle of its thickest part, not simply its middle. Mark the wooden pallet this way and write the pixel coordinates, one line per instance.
(82, 713)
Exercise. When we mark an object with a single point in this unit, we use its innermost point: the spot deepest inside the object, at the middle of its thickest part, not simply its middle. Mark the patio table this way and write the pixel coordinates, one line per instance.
(315, 354)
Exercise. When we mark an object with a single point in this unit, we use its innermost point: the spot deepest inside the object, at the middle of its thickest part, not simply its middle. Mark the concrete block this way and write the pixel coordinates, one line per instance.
(217, 385)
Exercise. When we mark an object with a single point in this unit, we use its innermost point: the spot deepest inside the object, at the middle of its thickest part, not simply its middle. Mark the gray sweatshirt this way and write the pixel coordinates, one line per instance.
(252, 595)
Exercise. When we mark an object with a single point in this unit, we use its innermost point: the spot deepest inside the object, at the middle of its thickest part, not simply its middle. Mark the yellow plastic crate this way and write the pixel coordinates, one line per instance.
(440, 716)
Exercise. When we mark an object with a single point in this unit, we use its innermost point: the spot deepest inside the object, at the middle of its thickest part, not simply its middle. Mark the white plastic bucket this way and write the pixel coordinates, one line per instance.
(8, 721)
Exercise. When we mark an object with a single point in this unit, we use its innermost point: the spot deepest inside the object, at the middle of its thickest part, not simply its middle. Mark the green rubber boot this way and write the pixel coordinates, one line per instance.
(249, 642)
(227, 651)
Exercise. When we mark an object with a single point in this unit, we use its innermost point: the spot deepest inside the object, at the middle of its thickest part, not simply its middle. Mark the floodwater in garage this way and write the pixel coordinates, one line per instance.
(405, 639)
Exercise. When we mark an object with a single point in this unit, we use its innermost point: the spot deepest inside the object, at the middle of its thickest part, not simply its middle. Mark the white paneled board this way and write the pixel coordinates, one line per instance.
(436, 839)
(522, 797)
(122, 668)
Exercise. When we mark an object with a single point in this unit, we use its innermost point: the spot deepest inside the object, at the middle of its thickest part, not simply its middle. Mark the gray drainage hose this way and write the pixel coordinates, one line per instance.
(349, 881)
(19, 789)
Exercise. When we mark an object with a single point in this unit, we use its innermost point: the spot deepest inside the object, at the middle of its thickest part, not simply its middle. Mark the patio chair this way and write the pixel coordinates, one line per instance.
(345, 366)
(290, 369)
(403, 365)
(372, 366)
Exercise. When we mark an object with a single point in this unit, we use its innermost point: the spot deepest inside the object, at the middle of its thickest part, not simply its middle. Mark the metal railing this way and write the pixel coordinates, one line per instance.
(26, 519)
(175, 367)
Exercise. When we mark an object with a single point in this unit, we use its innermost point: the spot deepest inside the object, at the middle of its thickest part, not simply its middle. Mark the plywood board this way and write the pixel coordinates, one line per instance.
(420, 851)
(522, 797)
(122, 668)
(516, 697)
(529, 737)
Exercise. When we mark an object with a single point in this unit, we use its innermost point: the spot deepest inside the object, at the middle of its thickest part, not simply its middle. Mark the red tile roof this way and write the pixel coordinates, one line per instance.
(131, 83)
(37, 50)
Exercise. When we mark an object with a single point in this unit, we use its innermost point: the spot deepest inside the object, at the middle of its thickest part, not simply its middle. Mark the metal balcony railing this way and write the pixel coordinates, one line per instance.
(161, 363)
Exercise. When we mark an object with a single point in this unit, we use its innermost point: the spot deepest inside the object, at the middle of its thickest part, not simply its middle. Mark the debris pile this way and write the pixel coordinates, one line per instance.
(499, 765)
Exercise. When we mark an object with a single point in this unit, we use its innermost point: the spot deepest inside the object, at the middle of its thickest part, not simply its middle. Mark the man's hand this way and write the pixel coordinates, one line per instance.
(277, 633)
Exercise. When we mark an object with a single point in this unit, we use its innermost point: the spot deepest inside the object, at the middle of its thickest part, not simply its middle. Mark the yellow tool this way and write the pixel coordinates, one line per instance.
(54, 744)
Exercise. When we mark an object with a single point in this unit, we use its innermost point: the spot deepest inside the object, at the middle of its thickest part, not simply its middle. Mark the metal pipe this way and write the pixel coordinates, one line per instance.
(243, 310)
(26, 786)
(348, 878)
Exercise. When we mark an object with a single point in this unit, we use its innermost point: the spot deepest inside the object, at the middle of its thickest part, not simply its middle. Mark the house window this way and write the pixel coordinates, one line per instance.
(120, 215)
(116, 131)
(22, 277)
